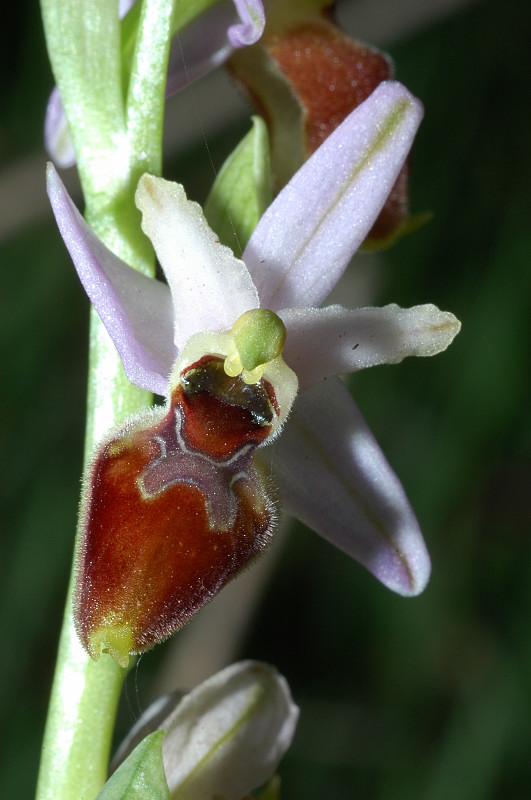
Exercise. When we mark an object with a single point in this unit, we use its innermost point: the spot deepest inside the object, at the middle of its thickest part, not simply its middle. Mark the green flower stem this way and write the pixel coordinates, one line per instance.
(85, 693)
(112, 77)
(117, 136)
(78, 734)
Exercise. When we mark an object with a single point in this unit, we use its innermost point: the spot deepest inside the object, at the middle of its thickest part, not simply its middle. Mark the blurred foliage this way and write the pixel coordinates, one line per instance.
(426, 698)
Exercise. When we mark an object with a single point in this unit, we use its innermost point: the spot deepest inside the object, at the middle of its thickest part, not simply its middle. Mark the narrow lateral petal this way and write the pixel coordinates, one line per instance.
(329, 341)
(136, 310)
(200, 47)
(307, 236)
(210, 287)
(252, 24)
(57, 139)
(334, 478)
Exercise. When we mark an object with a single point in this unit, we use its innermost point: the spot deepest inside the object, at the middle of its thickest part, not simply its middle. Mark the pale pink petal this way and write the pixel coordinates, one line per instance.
(136, 310)
(329, 341)
(57, 139)
(210, 287)
(307, 236)
(209, 40)
(124, 6)
(334, 478)
(252, 24)
(200, 47)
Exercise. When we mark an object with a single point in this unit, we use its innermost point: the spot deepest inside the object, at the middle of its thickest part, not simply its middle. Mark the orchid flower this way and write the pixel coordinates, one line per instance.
(225, 738)
(329, 469)
(203, 45)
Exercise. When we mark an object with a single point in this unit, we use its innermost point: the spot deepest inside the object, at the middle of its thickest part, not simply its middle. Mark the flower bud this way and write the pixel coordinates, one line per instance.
(227, 736)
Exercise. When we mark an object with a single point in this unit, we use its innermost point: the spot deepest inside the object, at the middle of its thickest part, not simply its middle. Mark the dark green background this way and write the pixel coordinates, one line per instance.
(424, 699)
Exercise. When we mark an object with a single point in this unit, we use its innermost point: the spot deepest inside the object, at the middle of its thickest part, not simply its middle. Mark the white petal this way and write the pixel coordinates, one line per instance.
(329, 341)
(307, 236)
(210, 287)
(227, 736)
(334, 478)
(136, 310)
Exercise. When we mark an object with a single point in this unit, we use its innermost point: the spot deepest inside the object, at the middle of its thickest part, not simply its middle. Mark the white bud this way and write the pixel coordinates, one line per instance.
(227, 736)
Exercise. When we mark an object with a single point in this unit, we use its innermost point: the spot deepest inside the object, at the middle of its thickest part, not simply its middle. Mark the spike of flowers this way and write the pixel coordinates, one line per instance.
(202, 46)
(175, 503)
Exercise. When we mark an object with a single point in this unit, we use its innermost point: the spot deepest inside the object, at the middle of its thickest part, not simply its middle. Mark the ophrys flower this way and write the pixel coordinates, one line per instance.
(330, 470)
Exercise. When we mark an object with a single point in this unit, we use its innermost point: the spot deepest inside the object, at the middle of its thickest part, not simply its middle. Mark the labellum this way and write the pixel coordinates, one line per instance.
(174, 508)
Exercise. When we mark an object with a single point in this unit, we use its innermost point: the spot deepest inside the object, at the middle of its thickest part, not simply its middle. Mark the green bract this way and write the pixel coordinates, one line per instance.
(141, 776)
(242, 190)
